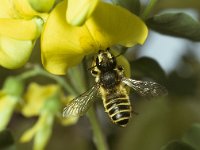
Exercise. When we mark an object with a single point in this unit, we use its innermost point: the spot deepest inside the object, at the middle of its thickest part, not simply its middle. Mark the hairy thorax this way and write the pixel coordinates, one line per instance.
(109, 79)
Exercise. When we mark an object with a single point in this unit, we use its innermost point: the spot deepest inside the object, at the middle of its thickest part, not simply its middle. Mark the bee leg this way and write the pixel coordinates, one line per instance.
(94, 72)
(120, 68)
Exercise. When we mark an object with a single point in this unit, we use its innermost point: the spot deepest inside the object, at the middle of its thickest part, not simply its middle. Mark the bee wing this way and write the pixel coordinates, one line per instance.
(146, 88)
(79, 105)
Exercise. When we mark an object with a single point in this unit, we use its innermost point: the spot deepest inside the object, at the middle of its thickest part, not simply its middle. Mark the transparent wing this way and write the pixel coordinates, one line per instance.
(79, 105)
(146, 88)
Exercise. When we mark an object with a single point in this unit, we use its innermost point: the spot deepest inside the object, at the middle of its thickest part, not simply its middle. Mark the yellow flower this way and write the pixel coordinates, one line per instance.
(7, 106)
(42, 101)
(36, 98)
(42, 5)
(64, 45)
(78, 11)
(9, 98)
(21, 9)
(41, 131)
(20, 26)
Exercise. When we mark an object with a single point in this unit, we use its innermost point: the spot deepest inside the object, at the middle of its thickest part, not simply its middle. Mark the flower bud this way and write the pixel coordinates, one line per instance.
(42, 5)
(13, 86)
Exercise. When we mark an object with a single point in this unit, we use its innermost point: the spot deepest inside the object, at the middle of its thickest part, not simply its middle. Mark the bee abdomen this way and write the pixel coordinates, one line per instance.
(119, 110)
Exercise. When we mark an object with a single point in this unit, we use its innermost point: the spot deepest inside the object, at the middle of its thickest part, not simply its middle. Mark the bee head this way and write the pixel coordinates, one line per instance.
(105, 61)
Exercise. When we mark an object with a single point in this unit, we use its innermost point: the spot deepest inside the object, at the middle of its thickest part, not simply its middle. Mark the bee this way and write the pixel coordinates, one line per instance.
(111, 83)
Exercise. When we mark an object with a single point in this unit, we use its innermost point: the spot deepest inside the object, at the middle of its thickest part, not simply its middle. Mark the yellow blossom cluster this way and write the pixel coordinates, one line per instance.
(69, 30)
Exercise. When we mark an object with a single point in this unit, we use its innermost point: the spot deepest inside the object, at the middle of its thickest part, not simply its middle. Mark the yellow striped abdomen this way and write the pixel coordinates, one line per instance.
(117, 105)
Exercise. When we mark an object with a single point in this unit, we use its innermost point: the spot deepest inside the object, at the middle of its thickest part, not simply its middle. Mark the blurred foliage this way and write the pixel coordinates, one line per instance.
(192, 136)
(178, 24)
(148, 67)
(132, 5)
(176, 4)
(6, 140)
(166, 123)
(163, 120)
(184, 80)
(189, 141)
(178, 145)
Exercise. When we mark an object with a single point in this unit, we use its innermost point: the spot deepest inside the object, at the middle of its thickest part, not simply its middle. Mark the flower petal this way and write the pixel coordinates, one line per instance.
(63, 45)
(42, 5)
(41, 130)
(23, 9)
(7, 106)
(79, 10)
(43, 134)
(110, 25)
(5, 9)
(36, 96)
(14, 53)
(28, 135)
(69, 120)
(21, 29)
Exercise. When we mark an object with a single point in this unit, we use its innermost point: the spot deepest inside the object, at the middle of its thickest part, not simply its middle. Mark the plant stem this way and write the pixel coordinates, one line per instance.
(99, 138)
(148, 9)
(28, 74)
(60, 81)
(37, 70)
(77, 78)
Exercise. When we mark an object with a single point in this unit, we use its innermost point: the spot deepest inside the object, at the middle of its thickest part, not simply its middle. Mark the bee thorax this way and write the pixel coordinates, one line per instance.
(109, 79)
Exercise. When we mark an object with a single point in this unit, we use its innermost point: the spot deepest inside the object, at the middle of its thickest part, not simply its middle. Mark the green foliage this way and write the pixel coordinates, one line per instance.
(148, 67)
(182, 86)
(6, 139)
(177, 145)
(176, 24)
(190, 140)
(185, 81)
(192, 136)
(132, 5)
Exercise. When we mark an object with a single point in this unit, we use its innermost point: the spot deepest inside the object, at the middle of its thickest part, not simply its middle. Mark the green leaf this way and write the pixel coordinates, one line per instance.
(192, 136)
(177, 145)
(182, 86)
(6, 139)
(132, 5)
(176, 24)
(148, 67)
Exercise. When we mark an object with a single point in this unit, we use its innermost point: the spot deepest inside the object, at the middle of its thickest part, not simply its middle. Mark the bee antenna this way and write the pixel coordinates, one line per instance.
(108, 48)
(119, 54)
